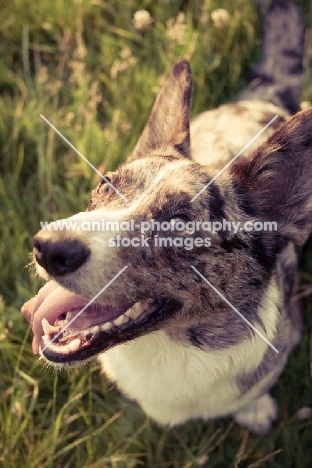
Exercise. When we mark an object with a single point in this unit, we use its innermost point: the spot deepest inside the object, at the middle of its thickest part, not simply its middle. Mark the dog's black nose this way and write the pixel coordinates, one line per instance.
(59, 255)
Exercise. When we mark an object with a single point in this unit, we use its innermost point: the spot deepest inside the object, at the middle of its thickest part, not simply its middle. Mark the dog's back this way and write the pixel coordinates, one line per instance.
(218, 135)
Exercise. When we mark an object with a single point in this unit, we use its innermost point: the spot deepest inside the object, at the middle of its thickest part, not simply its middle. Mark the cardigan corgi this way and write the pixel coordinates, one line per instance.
(180, 276)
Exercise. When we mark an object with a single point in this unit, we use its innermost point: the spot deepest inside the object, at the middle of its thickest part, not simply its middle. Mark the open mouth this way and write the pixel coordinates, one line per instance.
(83, 332)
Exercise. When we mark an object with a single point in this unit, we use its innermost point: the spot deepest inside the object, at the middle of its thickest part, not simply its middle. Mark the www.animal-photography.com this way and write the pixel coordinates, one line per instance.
(155, 241)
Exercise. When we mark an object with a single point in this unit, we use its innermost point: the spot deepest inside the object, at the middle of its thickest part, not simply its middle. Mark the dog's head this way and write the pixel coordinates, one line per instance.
(132, 262)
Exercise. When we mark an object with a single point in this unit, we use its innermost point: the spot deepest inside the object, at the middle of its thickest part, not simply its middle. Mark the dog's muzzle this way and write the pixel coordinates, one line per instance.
(59, 254)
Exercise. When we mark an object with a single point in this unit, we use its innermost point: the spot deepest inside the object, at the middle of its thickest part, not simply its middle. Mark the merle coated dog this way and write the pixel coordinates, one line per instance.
(194, 326)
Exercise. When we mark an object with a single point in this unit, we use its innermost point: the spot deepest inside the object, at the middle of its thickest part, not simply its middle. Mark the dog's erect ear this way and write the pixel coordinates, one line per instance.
(278, 177)
(169, 121)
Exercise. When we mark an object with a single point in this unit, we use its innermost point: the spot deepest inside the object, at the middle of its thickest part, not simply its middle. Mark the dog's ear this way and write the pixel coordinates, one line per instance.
(278, 177)
(169, 121)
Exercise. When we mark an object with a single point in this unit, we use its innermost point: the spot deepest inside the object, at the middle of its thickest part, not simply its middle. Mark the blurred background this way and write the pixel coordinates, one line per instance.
(93, 68)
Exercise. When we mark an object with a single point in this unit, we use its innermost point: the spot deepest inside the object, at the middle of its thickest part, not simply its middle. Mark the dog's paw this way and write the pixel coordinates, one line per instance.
(258, 415)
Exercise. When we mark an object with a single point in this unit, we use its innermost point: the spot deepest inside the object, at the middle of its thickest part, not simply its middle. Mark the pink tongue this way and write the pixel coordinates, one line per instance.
(52, 301)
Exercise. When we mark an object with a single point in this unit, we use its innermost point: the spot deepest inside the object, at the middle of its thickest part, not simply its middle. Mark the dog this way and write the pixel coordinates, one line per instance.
(188, 319)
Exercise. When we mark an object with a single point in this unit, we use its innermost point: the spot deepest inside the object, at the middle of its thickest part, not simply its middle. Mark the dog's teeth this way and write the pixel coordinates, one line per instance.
(47, 328)
(73, 345)
(69, 316)
(138, 308)
(135, 311)
(46, 339)
(106, 326)
(95, 329)
(121, 320)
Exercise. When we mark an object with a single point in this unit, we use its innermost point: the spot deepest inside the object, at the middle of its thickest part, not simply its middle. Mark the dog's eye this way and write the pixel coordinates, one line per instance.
(104, 186)
(179, 226)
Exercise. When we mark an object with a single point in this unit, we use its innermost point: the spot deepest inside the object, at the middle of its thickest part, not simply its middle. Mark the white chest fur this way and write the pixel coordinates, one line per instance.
(174, 383)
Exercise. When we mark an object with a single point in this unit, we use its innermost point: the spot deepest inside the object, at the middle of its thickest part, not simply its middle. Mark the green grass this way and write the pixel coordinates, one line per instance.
(85, 67)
